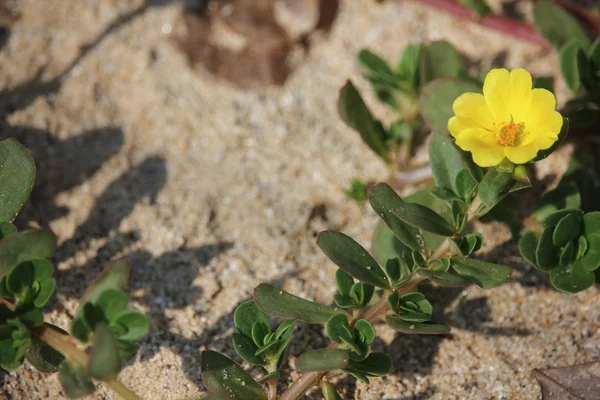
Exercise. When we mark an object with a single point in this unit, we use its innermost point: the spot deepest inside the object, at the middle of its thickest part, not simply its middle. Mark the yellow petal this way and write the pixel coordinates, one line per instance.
(483, 145)
(540, 140)
(521, 154)
(542, 114)
(471, 111)
(508, 94)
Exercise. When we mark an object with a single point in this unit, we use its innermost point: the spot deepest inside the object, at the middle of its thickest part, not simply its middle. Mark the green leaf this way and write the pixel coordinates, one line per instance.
(44, 293)
(279, 303)
(408, 67)
(246, 348)
(555, 217)
(571, 278)
(437, 98)
(356, 115)
(569, 64)
(79, 329)
(423, 218)
(357, 191)
(484, 274)
(329, 392)
(105, 362)
(445, 279)
(567, 229)
(127, 349)
(29, 315)
(136, 325)
(546, 254)
(25, 246)
(568, 254)
(376, 364)
(20, 278)
(6, 228)
(14, 341)
(416, 327)
(74, 380)
(248, 314)
(283, 335)
(582, 246)
(338, 329)
(114, 276)
(384, 244)
(260, 333)
(42, 356)
(352, 258)
(444, 194)
(112, 302)
(591, 230)
(527, 247)
(594, 55)
(223, 377)
(17, 175)
(366, 329)
(323, 360)
(465, 185)
(565, 195)
(344, 282)
(384, 201)
(479, 6)
(376, 65)
(440, 60)
(557, 26)
(447, 163)
(494, 186)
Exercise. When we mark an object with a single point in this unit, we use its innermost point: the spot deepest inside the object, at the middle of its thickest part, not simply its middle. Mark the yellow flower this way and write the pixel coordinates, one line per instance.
(510, 119)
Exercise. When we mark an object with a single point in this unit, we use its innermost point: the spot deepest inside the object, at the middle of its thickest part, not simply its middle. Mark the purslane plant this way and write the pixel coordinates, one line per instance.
(104, 322)
(427, 236)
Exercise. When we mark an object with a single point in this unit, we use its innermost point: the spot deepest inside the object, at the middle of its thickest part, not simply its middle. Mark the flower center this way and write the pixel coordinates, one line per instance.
(511, 133)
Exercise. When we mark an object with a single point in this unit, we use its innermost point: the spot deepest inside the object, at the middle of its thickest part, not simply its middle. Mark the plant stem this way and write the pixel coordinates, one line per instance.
(373, 314)
(497, 22)
(62, 343)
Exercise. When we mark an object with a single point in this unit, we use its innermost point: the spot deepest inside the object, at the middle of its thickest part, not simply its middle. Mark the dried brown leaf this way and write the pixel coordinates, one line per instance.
(577, 382)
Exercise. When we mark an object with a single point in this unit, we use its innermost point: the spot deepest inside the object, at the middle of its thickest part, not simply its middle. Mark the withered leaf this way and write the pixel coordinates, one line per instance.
(577, 382)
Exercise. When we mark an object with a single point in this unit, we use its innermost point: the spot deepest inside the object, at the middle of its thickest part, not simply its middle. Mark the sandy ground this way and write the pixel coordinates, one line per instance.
(209, 189)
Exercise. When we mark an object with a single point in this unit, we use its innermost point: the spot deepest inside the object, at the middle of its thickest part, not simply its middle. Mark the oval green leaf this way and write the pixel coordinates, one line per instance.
(350, 256)
(484, 274)
(17, 175)
(223, 377)
(279, 303)
(423, 218)
(25, 246)
(356, 115)
(323, 360)
(105, 362)
(384, 201)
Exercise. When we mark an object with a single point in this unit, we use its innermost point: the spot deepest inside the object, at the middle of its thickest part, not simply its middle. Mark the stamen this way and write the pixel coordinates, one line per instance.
(511, 133)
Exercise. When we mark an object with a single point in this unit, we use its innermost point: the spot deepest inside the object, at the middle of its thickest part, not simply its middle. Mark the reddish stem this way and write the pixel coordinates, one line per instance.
(496, 22)
(590, 21)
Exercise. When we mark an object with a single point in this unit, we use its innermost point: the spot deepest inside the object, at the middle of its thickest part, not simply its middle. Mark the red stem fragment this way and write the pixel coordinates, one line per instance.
(497, 22)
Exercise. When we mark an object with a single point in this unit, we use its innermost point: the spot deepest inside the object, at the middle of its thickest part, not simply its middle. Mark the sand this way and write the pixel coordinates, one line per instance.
(209, 190)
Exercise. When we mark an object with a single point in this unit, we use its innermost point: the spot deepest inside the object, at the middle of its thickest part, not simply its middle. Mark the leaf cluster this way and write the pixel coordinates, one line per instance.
(27, 285)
